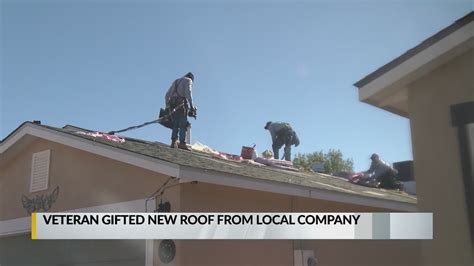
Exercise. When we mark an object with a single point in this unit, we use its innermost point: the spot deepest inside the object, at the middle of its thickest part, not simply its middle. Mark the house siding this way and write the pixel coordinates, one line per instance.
(84, 180)
(212, 198)
(437, 162)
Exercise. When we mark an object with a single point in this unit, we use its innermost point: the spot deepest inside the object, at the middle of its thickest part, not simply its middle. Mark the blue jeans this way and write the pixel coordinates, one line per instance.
(180, 124)
(284, 137)
(277, 146)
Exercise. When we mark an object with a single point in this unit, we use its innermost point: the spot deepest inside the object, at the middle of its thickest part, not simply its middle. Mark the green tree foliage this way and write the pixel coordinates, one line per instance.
(333, 161)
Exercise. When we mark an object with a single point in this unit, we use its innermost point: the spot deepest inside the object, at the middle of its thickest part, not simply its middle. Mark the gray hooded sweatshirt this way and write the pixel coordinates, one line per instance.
(181, 87)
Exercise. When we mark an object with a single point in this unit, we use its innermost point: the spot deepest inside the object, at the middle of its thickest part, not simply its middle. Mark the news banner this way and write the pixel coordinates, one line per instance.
(232, 226)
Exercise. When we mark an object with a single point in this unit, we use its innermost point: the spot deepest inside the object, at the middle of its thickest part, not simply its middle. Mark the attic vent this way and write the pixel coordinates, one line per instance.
(40, 171)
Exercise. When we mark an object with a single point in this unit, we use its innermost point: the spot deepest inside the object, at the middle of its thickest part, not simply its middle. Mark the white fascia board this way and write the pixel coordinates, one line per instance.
(225, 179)
(23, 225)
(12, 139)
(15, 226)
(423, 58)
(110, 152)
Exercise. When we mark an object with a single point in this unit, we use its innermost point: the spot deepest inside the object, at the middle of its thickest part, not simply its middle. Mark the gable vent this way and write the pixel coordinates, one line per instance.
(40, 171)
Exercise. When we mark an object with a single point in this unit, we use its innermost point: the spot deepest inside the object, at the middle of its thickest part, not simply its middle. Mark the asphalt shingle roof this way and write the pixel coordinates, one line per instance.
(204, 161)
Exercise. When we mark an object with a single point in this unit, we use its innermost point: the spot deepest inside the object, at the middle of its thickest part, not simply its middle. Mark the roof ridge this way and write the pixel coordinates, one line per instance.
(69, 126)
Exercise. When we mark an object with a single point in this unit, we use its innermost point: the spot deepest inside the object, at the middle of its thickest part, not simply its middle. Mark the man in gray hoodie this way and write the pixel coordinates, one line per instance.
(282, 134)
(179, 97)
(382, 172)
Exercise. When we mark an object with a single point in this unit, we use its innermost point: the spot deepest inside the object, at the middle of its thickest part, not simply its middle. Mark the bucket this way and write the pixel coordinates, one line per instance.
(247, 152)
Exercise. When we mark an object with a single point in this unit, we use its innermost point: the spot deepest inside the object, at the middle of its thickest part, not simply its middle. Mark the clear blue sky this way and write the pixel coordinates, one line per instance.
(106, 65)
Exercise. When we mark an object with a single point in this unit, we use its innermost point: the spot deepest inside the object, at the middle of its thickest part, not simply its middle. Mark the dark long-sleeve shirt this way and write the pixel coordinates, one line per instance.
(379, 167)
(275, 127)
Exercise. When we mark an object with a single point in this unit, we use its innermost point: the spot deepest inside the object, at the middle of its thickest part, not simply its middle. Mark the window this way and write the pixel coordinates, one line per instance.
(40, 171)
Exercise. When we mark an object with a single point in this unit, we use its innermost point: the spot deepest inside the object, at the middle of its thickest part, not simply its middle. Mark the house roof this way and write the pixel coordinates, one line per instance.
(232, 173)
(417, 49)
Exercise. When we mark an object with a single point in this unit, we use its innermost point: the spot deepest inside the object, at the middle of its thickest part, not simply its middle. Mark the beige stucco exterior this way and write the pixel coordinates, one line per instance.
(423, 85)
(210, 198)
(84, 180)
(437, 159)
(87, 180)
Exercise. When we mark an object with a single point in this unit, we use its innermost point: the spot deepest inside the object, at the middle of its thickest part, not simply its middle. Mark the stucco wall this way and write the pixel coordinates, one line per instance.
(212, 198)
(437, 162)
(84, 180)
(88, 180)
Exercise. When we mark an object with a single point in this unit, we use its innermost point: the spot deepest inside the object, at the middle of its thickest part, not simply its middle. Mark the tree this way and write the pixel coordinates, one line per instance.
(333, 161)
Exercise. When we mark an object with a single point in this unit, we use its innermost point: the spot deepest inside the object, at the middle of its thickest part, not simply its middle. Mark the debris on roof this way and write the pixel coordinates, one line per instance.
(252, 162)
(287, 165)
(267, 154)
(203, 148)
(105, 136)
(228, 156)
(214, 153)
(363, 180)
(258, 161)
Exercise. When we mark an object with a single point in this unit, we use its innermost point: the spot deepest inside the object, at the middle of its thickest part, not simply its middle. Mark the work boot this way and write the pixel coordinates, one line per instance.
(183, 146)
(173, 144)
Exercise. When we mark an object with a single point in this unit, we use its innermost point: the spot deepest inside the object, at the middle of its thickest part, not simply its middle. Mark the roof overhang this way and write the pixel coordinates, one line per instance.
(387, 87)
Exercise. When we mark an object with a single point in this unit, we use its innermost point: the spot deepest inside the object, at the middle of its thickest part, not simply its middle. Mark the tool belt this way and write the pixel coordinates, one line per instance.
(177, 101)
(165, 118)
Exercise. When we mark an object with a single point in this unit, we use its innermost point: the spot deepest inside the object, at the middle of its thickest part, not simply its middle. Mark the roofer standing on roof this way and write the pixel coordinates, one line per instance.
(383, 172)
(282, 134)
(179, 97)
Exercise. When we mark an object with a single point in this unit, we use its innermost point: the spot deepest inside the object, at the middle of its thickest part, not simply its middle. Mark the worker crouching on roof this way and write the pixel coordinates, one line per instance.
(282, 134)
(383, 172)
(179, 98)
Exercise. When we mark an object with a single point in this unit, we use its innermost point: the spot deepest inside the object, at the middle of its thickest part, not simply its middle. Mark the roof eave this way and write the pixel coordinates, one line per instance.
(383, 90)
(227, 179)
(468, 18)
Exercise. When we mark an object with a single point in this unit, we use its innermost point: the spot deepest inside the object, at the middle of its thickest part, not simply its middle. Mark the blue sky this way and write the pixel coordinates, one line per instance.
(106, 65)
